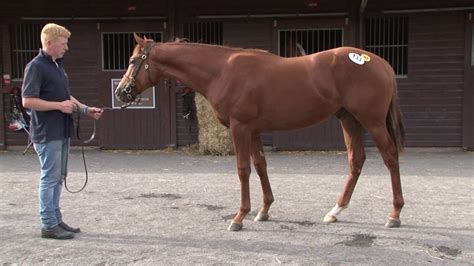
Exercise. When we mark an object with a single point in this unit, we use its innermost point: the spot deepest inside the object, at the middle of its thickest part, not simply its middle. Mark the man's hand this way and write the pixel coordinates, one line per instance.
(67, 106)
(94, 112)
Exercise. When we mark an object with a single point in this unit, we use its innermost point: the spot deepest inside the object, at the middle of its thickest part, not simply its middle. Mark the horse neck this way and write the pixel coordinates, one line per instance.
(195, 65)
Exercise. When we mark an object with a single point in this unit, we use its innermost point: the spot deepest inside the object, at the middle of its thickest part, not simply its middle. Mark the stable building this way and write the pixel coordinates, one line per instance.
(430, 45)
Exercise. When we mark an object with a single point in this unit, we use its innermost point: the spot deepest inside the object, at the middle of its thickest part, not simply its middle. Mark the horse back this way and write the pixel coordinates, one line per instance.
(271, 92)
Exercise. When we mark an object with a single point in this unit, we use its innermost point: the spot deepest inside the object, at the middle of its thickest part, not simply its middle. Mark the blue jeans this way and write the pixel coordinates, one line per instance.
(53, 157)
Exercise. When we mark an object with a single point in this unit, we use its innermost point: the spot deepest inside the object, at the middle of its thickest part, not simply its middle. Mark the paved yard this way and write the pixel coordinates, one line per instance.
(157, 207)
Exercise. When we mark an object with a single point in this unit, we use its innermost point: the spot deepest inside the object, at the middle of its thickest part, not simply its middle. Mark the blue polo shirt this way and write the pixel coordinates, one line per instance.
(45, 80)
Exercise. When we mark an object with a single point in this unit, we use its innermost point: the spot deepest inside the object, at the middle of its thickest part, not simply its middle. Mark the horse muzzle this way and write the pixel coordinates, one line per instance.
(125, 94)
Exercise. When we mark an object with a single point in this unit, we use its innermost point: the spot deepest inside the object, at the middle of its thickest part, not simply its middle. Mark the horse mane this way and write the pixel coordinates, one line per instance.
(185, 41)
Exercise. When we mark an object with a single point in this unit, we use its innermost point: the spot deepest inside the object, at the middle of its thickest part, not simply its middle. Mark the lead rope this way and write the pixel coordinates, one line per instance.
(92, 137)
(82, 149)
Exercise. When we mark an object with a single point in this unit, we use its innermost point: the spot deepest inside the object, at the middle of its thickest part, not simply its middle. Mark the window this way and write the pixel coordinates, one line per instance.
(302, 42)
(118, 47)
(388, 38)
(204, 32)
(25, 42)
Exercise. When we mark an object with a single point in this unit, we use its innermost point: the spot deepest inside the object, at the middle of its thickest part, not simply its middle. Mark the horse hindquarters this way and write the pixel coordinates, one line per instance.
(387, 131)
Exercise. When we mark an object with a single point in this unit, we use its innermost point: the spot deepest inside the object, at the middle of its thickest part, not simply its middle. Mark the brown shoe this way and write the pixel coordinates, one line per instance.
(56, 233)
(66, 227)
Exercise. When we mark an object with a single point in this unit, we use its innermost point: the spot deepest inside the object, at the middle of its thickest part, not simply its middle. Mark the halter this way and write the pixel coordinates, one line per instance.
(130, 90)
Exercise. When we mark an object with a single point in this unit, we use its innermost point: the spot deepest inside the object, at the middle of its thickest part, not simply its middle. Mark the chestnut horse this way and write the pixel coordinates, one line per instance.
(253, 91)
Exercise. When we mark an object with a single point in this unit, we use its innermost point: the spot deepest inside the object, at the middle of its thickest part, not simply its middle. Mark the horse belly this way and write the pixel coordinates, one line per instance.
(299, 113)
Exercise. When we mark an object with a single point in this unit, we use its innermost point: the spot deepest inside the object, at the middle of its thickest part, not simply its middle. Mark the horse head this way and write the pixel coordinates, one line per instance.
(135, 81)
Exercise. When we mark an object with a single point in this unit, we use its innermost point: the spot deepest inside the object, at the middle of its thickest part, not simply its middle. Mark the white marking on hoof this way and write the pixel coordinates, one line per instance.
(330, 219)
(393, 223)
(261, 217)
(234, 227)
(331, 215)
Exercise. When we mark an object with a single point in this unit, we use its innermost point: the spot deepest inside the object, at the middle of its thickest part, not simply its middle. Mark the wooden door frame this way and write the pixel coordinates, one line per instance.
(468, 97)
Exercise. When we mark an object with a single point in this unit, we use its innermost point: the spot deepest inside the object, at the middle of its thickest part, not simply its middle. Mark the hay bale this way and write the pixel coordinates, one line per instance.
(213, 137)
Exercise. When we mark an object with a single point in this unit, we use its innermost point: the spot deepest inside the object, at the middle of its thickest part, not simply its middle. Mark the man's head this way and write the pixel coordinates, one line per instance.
(54, 39)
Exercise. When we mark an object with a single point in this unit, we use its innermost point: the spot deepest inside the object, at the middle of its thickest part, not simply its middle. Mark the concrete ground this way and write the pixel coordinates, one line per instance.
(163, 207)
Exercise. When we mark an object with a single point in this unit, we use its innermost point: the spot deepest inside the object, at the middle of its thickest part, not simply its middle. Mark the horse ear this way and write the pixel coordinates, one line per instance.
(139, 40)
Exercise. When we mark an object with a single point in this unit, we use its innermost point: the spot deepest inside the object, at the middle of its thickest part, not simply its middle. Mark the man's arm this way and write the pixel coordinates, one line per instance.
(38, 104)
(93, 112)
(77, 103)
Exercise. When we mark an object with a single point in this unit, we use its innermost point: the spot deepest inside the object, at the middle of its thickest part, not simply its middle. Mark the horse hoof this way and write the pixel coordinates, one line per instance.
(261, 217)
(330, 219)
(393, 223)
(234, 227)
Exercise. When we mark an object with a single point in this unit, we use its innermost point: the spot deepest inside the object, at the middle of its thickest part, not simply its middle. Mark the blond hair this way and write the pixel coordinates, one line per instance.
(52, 31)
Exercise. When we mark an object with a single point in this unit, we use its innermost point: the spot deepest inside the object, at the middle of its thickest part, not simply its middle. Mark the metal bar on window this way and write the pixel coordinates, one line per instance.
(36, 33)
(282, 44)
(112, 52)
(209, 32)
(214, 31)
(16, 65)
(306, 46)
(119, 51)
(126, 47)
(404, 45)
(390, 42)
(106, 51)
(379, 35)
(400, 67)
(109, 52)
(203, 37)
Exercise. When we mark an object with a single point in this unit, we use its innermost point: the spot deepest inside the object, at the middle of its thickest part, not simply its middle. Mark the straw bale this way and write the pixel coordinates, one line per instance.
(214, 138)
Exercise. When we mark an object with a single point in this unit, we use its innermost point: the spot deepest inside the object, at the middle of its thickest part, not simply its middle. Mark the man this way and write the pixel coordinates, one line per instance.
(46, 93)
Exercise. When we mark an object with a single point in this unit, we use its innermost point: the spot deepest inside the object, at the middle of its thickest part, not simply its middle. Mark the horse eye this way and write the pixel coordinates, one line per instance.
(132, 61)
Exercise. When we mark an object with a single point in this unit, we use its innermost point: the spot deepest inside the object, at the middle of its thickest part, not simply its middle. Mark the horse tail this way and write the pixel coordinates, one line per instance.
(394, 120)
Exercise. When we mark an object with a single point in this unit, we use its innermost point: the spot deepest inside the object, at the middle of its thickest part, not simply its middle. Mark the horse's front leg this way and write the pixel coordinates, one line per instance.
(258, 158)
(241, 139)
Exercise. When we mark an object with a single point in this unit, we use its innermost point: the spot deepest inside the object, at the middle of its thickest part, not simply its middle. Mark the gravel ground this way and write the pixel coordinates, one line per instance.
(173, 207)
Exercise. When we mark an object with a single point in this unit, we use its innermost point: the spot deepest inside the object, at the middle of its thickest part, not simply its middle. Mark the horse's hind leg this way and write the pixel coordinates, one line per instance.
(353, 137)
(389, 152)
(260, 164)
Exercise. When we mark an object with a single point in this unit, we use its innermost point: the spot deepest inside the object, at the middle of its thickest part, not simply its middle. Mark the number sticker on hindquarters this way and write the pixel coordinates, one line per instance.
(359, 59)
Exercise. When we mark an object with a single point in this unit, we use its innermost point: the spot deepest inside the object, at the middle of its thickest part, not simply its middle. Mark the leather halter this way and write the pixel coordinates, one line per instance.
(130, 90)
